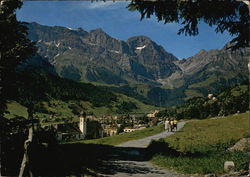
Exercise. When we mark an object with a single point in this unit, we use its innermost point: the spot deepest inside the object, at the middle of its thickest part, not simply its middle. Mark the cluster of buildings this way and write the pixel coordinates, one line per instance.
(153, 115)
(89, 127)
(211, 97)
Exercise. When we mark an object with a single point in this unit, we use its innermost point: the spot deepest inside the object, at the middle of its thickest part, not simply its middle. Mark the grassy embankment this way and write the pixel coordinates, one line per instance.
(201, 146)
(121, 138)
(62, 109)
(15, 109)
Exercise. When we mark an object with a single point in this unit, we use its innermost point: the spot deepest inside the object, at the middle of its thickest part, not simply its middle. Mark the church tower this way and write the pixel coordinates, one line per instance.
(83, 124)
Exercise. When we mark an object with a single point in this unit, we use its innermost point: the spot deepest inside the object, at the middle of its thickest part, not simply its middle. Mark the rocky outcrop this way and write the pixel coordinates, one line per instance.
(139, 58)
(241, 145)
(97, 57)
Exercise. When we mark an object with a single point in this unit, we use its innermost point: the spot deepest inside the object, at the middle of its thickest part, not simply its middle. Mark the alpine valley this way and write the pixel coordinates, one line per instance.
(138, 67)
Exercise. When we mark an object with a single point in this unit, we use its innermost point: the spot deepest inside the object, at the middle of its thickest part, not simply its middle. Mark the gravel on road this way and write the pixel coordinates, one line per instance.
(133, 164)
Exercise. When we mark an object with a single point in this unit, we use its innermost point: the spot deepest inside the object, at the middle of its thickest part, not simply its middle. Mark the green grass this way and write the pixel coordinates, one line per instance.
(200, 133)
(58, 107)
(201, 146)
(206, 83)
(237, 91)
(212, 163)
(15, 109)
(121, 138)
(174, 84)
(61, 108)
(141, 107)
(141, 89)
(55, 107)
(190, 93)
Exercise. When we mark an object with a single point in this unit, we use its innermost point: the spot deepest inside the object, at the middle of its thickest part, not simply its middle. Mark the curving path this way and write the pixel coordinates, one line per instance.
(143, 143)
(130, 161)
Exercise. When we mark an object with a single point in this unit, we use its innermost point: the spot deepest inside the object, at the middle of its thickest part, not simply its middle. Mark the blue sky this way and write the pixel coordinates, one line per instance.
(118, 22)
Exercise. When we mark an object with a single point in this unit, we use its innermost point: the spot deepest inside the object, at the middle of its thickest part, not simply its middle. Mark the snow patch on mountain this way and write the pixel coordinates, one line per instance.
(69, 28)
(115, 51)
(57, 45)
(140, 48)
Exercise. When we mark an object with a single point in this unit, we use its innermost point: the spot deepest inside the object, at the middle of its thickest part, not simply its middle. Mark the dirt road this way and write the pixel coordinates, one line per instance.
(129, 159)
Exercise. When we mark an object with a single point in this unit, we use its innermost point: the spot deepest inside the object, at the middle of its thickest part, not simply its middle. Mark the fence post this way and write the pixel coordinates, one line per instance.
(26, 159)
(26, 156)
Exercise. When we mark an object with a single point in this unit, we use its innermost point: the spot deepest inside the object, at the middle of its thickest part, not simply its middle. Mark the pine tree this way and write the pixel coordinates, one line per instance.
(14, 47)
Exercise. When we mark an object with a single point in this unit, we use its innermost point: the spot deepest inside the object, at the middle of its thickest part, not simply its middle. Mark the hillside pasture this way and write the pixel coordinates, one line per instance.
(202, 145)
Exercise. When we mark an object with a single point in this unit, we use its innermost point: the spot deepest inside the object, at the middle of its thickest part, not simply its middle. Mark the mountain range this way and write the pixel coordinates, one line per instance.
(137, 67)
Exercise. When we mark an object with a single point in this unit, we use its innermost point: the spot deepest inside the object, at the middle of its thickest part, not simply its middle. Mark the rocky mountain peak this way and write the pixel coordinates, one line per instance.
(100, 38)
(202, 51)
(139, 41)
(98, 31)
(96, 56)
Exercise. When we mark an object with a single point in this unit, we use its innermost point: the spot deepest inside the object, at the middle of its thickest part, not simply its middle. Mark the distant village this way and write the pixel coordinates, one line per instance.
(91, 127)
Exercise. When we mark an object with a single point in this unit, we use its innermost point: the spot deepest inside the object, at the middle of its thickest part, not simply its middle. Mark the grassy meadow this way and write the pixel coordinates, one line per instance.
(15, 109)
(201, 146)
(63, 109)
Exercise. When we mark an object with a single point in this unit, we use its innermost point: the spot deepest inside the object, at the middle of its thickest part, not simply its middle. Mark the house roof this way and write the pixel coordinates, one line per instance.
(69, 128)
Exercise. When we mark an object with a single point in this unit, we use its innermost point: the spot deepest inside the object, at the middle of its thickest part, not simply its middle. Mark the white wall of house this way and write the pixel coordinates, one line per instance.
(128, 130)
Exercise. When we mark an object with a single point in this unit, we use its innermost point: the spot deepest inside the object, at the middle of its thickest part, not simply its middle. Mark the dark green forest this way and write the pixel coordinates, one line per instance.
(232, 100)
(35, 87)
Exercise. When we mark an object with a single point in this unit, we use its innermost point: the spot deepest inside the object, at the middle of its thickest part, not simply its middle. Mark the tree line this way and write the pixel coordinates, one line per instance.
(230, 101)
(34, 87)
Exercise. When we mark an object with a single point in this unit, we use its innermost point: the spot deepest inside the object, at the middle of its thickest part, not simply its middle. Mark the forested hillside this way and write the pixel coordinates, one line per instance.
(43, 87)
(53, 96)
(230, 101)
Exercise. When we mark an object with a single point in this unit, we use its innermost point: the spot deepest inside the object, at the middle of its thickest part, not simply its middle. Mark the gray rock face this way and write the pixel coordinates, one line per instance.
(138, 59)
(214, 60)
(157, 61)
(241, 145)
(101, 39)
(97, 57)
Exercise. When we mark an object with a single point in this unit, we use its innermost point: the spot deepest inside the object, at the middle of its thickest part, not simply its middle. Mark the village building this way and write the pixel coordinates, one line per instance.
(69, 131)
(140, 126)
(210, 96)
(152, 115)
(90, 126)
(109, 131)
(128, 130)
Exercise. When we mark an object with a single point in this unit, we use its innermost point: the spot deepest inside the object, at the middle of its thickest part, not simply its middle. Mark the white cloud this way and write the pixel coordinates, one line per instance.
(102, 4)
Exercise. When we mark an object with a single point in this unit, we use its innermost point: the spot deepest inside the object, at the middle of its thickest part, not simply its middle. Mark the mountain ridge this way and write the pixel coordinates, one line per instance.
(97, 57)
(124, 54)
